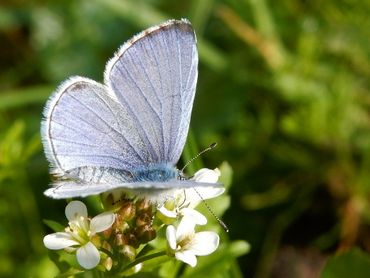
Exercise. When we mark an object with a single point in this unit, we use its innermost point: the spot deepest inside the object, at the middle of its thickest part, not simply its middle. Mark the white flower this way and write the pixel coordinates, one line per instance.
(190, 197)
(207, 176)
(80, 232)
(185, 244)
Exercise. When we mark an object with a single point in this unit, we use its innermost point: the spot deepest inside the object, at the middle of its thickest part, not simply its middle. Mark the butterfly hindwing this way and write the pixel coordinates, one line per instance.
(84, 125)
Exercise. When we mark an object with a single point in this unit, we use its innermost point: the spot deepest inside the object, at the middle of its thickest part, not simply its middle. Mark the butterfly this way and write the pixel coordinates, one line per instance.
(129, 132)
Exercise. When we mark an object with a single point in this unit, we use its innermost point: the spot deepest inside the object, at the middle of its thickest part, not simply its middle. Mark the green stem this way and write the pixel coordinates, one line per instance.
(143, 259)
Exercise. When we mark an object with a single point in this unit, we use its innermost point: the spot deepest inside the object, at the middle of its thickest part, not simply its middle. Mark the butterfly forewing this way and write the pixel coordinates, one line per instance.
(154, 75)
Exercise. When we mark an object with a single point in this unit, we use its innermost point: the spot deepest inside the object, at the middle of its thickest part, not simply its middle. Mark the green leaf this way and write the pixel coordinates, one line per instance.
(354, 263)
(24, 96)
(55, 226)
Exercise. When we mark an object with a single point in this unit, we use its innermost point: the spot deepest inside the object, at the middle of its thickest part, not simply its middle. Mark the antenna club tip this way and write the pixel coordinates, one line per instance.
(223, 225)
(214, 144)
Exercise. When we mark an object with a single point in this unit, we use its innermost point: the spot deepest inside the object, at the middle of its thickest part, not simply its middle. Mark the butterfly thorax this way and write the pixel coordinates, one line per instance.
(157, 173)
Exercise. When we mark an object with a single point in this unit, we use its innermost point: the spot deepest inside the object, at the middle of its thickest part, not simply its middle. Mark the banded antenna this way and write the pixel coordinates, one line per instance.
(210, 147)
(222, 224)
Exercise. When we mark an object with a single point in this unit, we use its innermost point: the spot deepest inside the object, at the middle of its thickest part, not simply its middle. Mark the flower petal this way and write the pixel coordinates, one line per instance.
(88, 256)
(205, 192)
(171, 237)
(102, 222)
(166, 212)
(75, 209)
(187, 257)
(196, 216)
(207, 175)
(59, 241)
(185, 228)
(204, 243)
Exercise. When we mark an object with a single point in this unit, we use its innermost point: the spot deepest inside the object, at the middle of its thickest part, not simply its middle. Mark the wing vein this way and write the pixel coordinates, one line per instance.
(73, 142)
(174, 143)
(120, 127)
(171, 99)
(154, 54)
(135, 115)
(156, 93)
(109, 126)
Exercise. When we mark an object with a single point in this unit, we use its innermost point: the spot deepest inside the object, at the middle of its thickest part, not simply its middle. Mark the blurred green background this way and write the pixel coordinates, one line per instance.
(283, 89)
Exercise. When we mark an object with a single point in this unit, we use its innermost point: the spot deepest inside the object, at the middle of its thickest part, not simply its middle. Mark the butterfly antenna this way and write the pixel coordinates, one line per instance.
(210, 147)
(222, 224)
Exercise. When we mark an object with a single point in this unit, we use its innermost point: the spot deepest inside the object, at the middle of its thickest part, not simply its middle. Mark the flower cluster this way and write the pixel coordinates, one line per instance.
(112, 239)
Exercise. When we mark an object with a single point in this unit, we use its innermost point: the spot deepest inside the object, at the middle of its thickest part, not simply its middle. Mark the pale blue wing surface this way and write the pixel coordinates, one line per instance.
(155, 75)
(85, 126)
(149, 189)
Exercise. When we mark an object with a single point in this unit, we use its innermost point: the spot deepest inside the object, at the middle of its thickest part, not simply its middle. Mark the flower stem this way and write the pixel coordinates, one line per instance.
(143, 259)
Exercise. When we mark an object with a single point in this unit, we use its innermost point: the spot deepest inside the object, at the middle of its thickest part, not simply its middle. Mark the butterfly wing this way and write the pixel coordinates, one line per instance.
(85, 125)
(154, 190)
(155, 75)
(141, 117)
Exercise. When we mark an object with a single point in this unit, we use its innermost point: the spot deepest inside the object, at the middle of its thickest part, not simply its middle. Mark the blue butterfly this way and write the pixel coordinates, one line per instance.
(129, 132)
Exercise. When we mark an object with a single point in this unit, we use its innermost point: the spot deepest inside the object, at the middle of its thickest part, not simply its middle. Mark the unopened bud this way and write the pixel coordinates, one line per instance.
(144, 205)
(120, 225)
(120, 240)
(131, 239)
(129, 252)
(127, 211)
(143, 219)
(145, 233)
(108, 263)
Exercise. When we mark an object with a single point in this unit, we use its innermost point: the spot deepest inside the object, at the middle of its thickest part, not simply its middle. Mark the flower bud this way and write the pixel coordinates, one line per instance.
(143, 219)
(145, 233)
(144, 205)
(129, 252)
(120, 240)
(127, 211)
(120, 225)
(132, 240)
(107, 263)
